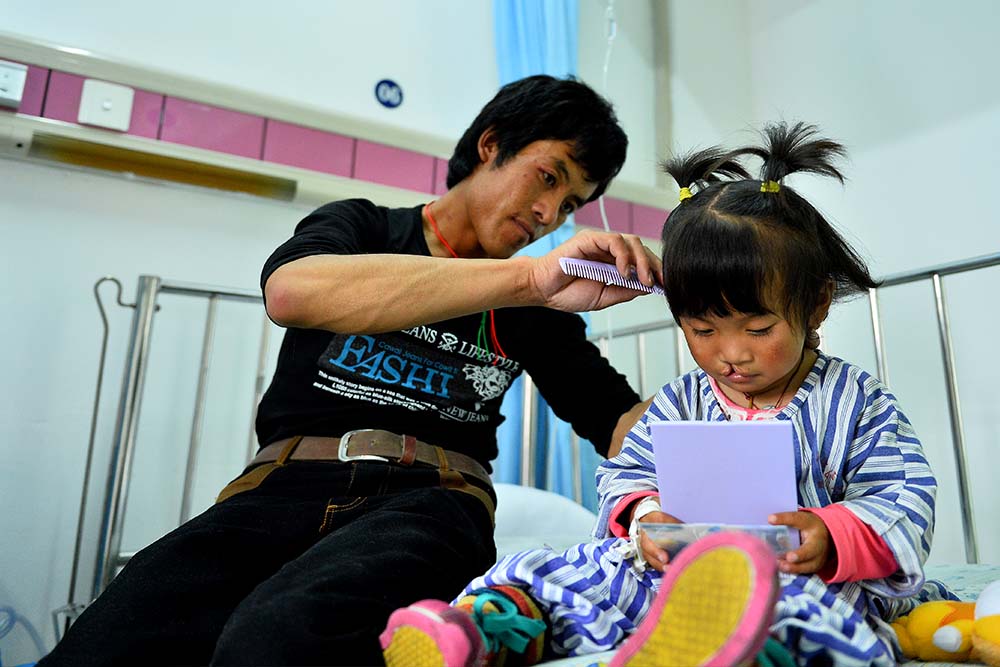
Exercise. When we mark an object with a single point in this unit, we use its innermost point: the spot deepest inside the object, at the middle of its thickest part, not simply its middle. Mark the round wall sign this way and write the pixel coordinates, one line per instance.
(388, 93)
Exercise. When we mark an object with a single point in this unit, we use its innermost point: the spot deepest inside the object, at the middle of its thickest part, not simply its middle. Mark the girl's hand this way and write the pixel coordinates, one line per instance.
(656, 557)
(816, 549)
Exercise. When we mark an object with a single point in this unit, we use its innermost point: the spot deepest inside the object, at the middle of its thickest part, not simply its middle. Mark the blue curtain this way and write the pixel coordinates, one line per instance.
(540, 37)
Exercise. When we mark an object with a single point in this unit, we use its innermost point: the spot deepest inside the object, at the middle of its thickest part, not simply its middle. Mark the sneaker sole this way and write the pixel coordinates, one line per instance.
(428, 634)
(713, 608)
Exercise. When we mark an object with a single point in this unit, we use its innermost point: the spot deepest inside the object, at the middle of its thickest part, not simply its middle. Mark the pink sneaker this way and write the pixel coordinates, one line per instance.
(714, 607)
(431, 633)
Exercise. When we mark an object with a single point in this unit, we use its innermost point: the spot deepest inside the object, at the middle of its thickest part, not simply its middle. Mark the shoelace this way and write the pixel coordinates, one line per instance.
(506, 625)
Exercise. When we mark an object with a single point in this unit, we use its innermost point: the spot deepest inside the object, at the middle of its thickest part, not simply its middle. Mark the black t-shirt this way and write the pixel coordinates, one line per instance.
(433, 382)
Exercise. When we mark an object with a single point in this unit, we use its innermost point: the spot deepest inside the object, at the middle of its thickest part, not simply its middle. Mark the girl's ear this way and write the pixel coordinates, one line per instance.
(819, 315)
(487, 146)
(823, 306)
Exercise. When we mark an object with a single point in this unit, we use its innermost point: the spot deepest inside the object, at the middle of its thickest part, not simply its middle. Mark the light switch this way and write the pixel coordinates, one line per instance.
(106, 105)
(12, 78)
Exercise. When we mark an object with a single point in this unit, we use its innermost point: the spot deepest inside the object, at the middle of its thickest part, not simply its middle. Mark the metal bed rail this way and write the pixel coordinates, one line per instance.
(110, 557)
(935, 274)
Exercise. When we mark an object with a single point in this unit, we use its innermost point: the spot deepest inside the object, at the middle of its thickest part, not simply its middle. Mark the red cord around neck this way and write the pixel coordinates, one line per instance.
(440, 237)
(437, 231)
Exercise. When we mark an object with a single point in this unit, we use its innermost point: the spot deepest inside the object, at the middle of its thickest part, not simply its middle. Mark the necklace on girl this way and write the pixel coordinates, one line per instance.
(777, 404)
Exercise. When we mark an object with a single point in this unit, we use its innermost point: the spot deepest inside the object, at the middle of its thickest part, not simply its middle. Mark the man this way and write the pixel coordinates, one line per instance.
(371, 488)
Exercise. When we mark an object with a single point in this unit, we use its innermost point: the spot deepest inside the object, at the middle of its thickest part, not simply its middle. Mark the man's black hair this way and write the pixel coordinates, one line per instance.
(542, 107)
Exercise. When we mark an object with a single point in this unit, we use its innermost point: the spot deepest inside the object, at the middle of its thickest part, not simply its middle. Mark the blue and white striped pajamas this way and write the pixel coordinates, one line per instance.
(856, 448)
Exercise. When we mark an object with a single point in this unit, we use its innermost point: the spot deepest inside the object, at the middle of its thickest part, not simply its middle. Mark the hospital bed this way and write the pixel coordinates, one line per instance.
(520, 524)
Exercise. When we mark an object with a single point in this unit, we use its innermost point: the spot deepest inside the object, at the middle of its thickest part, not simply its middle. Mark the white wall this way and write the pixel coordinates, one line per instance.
(328, 55)
(902, 84)
(631, 82)
(710, 87)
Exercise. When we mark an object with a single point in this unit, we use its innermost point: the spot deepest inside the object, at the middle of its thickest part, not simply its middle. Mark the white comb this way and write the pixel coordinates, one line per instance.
(603, 273)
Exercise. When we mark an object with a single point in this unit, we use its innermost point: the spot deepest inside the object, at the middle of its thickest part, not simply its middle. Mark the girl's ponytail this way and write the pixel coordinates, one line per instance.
(797, 148)
(699, 168)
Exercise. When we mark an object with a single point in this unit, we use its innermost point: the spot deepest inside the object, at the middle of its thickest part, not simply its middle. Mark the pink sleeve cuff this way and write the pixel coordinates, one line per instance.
(621, 512)
(861, 552)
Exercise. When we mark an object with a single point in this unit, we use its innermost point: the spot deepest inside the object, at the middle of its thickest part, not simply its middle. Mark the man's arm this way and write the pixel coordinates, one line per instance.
(625, 424)
(376, 293)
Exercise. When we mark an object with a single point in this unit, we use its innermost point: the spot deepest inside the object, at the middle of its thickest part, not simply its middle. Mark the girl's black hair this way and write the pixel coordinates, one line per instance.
(544, 107)
(735, 248)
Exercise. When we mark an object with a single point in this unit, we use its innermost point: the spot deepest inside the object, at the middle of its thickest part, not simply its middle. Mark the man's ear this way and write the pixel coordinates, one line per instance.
(487, 146)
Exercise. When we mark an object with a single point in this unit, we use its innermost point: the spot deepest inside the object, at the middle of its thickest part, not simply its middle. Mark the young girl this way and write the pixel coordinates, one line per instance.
(750, 269)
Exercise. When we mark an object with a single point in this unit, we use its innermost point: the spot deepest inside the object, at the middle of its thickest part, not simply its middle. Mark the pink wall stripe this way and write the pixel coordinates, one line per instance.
(62, 101)
(57, 95)
(619, 215)
(204, 126)
(307, 148)
(440, 176)
(146, 110)
(397, 167)
(647, 221)
(34, 92)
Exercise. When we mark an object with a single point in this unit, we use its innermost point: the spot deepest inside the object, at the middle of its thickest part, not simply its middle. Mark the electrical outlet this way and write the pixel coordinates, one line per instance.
(106, 105)
(12, 78)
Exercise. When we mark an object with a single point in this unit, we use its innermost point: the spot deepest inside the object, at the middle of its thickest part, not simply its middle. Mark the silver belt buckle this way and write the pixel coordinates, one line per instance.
(345, 441)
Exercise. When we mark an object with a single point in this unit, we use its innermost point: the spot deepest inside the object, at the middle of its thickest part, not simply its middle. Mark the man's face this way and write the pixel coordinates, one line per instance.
(526, 197)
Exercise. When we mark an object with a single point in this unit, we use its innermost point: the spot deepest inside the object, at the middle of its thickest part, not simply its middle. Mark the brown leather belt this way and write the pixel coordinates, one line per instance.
(374, 445)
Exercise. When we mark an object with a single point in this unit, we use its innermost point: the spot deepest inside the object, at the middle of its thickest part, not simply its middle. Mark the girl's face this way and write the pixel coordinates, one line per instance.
(746, 354)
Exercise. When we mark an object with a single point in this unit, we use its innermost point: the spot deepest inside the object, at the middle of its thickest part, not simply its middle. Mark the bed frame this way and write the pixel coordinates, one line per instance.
(110, 557)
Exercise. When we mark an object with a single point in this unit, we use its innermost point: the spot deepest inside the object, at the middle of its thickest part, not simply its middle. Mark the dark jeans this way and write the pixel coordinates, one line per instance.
(302, 570)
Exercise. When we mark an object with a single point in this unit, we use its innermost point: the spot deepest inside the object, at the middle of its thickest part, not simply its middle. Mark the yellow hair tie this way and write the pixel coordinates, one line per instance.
(685, 193)
(770, 186)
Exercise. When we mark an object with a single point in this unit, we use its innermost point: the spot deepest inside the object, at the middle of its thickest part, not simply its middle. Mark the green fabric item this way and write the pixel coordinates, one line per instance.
(506, 625)
(774, 654)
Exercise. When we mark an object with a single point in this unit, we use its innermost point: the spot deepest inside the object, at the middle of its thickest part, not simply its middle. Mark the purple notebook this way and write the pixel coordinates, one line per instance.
(733, 473)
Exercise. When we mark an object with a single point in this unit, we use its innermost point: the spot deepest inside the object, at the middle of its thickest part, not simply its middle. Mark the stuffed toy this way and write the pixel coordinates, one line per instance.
(986, 630)
(948, 631)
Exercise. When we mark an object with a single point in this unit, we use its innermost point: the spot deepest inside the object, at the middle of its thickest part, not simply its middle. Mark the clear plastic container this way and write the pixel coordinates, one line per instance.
(672, 537)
